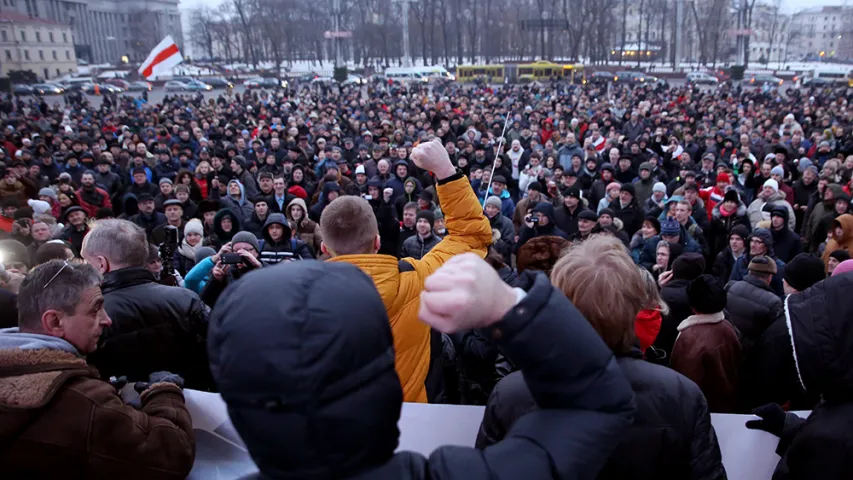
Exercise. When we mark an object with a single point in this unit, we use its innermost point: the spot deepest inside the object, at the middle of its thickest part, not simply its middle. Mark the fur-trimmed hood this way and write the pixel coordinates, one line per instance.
(741, 211)
(30, 378)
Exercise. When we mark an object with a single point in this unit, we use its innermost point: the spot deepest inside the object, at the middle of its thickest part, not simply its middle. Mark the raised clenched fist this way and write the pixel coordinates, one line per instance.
(432, 156)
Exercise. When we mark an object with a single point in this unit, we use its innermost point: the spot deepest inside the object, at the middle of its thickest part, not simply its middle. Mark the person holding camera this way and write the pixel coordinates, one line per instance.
(539, 223)
(243, 256)
(154, 327)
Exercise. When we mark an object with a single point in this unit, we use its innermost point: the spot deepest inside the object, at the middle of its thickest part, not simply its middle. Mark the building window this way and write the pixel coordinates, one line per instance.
(46, 74)
(23, 36)
(67, 55)
(4, 36)
(26, 54)
(41, 54)
(64, 37)
(50, 36)
(55, 57)
(58, 73)
(38, 36)
(8, 55)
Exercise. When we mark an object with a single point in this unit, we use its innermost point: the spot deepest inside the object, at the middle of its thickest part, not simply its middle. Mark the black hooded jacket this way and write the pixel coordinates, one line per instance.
(671, 438)
(221, 237)
(287, 248)
(311, 387)
(818, 320)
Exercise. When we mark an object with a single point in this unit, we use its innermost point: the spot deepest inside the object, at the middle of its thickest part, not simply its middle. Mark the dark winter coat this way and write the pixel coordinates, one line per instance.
(506, 244)
(674, 294)
(566, 220)
(672, 436)
(154, 328)
(723, 265)
(741, 269)
(751, 306)
(720, 226)
(648, 257)
(416, 247)
(821, 446)
(631, 215)
(786, 243)
(346, 427)
(285, 249)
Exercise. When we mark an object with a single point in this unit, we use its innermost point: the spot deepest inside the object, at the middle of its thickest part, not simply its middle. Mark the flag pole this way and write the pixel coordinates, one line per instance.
(494, 163)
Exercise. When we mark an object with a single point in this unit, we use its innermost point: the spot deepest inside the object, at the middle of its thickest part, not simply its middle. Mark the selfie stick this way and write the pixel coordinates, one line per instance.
(495, 163)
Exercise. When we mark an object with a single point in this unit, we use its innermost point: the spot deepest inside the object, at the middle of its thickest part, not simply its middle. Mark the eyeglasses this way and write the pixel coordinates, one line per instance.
(65, 264)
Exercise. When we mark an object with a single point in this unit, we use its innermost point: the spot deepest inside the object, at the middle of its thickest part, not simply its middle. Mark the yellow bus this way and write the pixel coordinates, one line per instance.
(474, 73)
(574, 73)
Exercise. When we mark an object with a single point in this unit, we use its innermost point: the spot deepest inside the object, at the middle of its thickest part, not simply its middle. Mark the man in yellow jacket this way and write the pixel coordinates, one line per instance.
(351, 234)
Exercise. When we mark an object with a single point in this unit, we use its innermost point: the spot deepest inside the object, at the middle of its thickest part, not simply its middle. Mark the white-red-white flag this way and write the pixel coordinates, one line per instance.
(162, 59)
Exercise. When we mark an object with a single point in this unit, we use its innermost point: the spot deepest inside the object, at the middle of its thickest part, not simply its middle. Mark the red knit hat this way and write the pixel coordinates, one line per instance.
(724, 177)
(298, 191)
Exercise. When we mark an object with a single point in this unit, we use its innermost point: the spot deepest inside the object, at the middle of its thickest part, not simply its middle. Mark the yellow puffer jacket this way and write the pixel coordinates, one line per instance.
(467, 230)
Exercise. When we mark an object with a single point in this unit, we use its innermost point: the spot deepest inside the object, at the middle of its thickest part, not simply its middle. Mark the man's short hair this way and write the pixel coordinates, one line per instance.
(55, 285)
(686, 204)
(121, 242)
(53, 250)
(410, 206)
(349, 226)
(586, 274)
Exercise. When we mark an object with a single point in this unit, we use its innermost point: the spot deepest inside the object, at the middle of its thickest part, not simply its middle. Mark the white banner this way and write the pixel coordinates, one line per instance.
(220, 454)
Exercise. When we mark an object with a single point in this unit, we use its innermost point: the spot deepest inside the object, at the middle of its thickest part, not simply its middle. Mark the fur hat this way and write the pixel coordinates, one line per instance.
(762, 264)
(688, 266)
(803, 271)
(541, 253)
(706, 294)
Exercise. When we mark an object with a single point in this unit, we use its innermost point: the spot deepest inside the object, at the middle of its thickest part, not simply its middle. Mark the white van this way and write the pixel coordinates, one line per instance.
(78, 81)
(422, 74)
(826, 74)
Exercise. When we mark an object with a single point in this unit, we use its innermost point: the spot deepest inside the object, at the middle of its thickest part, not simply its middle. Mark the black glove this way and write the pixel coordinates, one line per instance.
(773, 419)
(119, 382)
(169, 377)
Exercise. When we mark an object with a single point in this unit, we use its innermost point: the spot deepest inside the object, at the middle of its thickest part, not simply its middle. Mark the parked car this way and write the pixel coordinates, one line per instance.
(601, 77)
(701, 78)
(264, 82)
(818, 82)
(140, 86)
(175, 86)
(197, 86)
(118, 82)
(640, 78)
(102, 88)
(22, 89)
(183, 79)
(354, 79)
(218, 82)
(47, 89)
(763, 79)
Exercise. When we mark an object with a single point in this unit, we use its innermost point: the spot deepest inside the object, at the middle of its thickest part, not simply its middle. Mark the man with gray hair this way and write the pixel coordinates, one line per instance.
(53, 405)
(155, 327)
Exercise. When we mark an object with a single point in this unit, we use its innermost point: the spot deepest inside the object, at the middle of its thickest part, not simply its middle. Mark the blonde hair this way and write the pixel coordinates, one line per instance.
(653, 298)
(604, 284)
(349, 226)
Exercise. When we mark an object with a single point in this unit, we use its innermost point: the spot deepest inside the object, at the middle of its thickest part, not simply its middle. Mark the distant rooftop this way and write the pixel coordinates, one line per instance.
(15, 17)
(824, 9)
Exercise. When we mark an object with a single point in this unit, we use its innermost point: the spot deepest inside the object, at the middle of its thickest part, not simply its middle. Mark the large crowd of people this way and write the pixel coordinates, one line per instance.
(601, 267)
